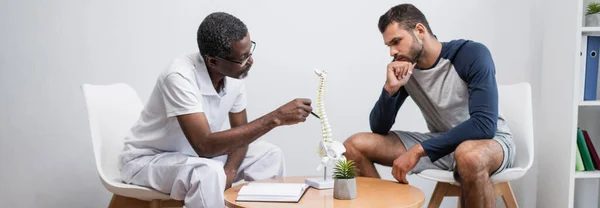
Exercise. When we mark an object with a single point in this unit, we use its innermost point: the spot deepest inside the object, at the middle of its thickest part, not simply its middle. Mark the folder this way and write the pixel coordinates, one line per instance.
(591, 68)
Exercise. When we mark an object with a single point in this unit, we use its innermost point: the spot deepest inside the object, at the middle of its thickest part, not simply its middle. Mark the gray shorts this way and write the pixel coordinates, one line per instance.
(447, 162)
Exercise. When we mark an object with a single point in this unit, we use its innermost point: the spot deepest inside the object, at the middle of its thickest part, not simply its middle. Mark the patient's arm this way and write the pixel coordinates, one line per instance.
(383, 114)
(479, 73)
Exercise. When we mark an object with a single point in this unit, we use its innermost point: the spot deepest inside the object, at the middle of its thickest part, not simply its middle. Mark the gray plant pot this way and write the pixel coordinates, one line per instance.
(592, 20)
(344, 189)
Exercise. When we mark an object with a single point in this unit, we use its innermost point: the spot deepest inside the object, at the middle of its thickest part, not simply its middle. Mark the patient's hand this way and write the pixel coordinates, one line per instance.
(398, 74)
(406, 162)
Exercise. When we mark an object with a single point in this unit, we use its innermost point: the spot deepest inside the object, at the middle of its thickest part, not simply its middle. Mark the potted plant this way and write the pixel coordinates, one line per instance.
(344, 175)
(592, 15)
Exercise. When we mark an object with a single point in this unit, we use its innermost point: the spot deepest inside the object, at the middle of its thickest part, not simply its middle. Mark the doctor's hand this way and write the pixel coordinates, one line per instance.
(229, 179)
(406, 162)
(398, 74)
(293, 112)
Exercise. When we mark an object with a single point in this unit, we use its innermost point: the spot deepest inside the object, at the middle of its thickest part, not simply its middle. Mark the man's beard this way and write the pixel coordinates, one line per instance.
(416, 52)
(244, 73)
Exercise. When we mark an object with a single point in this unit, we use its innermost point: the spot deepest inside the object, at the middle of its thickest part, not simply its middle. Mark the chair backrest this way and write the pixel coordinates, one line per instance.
(516, 107)
(112, 111)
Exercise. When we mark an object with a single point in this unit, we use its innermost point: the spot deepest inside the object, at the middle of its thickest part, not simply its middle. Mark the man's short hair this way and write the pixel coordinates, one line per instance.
(407, 15)
(217, 32)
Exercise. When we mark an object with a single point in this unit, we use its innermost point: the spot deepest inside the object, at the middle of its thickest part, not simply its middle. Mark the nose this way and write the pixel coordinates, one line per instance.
(250, 60)
(393, 51)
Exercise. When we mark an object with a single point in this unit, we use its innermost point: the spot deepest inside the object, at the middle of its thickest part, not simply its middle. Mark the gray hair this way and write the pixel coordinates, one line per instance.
(217, 32)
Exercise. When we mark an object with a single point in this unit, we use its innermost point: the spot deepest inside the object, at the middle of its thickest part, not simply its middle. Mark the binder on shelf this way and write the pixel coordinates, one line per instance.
(591, 68)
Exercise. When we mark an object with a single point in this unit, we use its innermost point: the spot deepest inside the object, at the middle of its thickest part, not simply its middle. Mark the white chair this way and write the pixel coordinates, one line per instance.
(112, 110)
(516, 107)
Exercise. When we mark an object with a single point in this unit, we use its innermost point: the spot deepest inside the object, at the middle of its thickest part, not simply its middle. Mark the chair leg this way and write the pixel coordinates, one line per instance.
(445, 189)
(122, 202)
(507, 195)
(118, 201)
(172, 203)
(155, 204)
(439, 192)
(454, 191)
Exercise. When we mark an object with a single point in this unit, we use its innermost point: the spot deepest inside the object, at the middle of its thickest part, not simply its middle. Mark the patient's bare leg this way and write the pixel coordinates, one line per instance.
(368, 148)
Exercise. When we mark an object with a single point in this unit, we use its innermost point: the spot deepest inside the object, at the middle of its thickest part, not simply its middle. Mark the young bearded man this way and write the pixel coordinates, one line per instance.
(454, 85)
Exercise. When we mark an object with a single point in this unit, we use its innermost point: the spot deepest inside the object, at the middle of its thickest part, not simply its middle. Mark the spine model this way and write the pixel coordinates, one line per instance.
(329, 149)
(326, 128)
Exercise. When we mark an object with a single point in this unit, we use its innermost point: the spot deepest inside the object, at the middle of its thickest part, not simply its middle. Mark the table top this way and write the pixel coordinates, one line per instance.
(370, 192)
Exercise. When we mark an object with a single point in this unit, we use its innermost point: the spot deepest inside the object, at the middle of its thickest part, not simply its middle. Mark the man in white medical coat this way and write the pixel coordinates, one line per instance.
(178, 145)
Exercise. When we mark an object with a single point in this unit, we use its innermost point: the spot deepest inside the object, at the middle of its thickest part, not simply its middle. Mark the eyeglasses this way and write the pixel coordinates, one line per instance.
(243, 62)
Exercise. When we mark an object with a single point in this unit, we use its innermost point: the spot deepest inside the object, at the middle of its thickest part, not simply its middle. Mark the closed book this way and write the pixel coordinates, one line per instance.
(272, 192)
(592, 149)
(578, 162)
(585, 153)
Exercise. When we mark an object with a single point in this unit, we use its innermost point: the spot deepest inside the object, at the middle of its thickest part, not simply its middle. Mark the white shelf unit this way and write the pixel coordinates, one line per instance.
(589, 103)
(590, 30)
(586, 186)
(563, 110)
(587, 174)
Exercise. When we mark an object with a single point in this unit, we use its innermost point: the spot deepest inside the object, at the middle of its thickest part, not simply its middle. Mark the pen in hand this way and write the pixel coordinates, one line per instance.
(314, 114)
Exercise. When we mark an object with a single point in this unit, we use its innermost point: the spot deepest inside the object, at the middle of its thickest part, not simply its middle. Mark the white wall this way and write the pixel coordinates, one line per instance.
(49, 48)
(560, 63)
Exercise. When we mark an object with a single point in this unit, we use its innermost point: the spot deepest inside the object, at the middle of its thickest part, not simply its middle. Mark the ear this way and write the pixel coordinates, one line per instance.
(211, 62)
(420, 30)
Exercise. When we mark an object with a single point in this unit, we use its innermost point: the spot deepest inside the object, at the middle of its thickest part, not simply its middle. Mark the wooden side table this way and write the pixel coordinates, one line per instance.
(371, 192)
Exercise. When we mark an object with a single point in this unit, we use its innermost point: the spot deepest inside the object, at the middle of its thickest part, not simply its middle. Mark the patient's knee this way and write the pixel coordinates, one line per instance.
(355, 143)
(470, 162)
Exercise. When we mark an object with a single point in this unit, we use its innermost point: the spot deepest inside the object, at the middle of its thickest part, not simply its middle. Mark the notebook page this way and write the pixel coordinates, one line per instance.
(273, 189)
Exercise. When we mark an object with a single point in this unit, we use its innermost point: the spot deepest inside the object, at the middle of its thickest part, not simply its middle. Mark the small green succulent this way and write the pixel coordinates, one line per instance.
(593, 8)
(345, 169)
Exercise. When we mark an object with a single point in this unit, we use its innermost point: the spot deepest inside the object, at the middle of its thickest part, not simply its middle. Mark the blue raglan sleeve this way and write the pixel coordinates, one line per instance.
(475, 66)
(383, 114)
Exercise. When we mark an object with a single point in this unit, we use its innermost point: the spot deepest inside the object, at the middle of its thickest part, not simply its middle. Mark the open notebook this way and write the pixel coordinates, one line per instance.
(272, 192)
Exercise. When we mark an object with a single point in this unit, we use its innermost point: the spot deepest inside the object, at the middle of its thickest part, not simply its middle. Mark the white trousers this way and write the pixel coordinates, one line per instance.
(200, 182)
